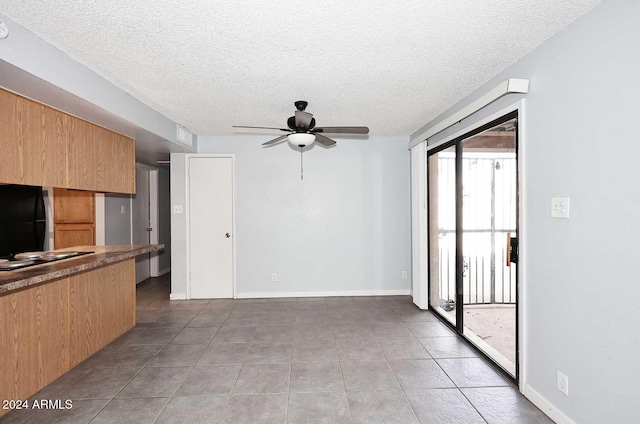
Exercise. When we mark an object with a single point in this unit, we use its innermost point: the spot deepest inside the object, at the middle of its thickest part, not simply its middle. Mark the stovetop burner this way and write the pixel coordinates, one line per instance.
(24, 260)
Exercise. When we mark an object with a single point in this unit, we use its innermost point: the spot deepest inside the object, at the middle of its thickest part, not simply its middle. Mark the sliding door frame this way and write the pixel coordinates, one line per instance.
(516, 111)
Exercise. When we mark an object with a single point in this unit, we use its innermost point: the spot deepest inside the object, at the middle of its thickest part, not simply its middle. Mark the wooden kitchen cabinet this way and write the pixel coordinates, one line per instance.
(73, 206)
(99, 159)
(68, 235)
(49, 328)
(73, 218)
(42, 146)
(102, 306)
(33, 145)
(82, 154)
(34, 336)
(118, 172)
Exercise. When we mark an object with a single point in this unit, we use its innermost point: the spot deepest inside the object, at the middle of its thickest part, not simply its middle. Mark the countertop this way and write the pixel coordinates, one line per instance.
(103, 255)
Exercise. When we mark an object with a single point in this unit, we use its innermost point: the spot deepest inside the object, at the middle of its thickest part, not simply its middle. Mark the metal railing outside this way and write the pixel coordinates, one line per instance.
(489, 205)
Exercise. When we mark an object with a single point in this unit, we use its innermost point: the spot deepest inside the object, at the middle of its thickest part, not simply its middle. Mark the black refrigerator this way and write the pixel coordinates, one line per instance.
(23, 222)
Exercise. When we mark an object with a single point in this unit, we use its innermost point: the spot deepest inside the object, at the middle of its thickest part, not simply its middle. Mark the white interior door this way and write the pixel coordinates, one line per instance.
(210, 227)
(141, 224)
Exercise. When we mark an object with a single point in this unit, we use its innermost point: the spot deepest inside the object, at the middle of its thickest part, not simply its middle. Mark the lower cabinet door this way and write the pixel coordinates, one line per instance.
(69, 235)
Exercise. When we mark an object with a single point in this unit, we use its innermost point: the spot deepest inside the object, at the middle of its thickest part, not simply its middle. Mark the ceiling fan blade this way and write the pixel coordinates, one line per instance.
(325, 141)
(303, 119)
(275, 140)
(342, 130)
(262, 128)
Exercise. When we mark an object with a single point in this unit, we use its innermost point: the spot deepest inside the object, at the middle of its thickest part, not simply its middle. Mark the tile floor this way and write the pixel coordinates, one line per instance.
(311, 360)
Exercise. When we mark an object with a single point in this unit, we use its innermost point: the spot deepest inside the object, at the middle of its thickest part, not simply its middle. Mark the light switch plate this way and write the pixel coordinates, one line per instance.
(177, 209)
(560, 207)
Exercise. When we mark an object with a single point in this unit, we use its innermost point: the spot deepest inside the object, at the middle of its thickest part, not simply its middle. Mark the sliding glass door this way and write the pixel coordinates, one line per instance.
(442, 232)
(473, 201)
(489, 221)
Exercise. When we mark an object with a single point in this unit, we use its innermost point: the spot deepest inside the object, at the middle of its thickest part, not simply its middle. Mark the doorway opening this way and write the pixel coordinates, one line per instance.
(473, 237)
(144, 221)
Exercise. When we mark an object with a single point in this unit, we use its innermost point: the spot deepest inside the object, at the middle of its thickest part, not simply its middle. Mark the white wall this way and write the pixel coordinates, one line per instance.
(178, 227)
(345, 227)
(164, 219)
(117, 224)
(581, 282)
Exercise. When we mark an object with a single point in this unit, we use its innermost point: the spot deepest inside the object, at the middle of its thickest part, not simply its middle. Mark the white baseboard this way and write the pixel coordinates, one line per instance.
(545, 406)
(164, 271)
(261, 295)
(177, 296)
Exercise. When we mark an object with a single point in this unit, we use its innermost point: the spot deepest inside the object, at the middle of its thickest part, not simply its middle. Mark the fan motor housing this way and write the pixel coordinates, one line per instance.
(291, 123)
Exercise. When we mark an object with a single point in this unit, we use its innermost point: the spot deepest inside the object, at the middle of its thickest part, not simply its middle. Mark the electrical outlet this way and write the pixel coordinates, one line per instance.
(404, 274)
(177, 209)
(274, 277)
(123, 209)
(563, 383)
(560, 207)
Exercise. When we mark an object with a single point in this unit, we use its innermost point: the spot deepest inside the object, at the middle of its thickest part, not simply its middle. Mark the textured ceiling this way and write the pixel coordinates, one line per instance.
(208, 64)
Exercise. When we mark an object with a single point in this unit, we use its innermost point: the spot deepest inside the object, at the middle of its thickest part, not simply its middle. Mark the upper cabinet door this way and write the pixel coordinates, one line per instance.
(34, 147)
(122, 171)
(84, 170)
(10, 135)
(53, 148)
(116, 161)
(42, 146)
(99, 159)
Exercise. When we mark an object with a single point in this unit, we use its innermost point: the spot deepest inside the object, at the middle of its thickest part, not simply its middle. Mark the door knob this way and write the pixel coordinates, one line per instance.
(227, 235)
(149, 229)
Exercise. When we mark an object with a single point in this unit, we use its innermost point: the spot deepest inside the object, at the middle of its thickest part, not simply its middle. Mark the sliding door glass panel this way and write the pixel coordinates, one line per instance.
(489, 208)
(442, 232)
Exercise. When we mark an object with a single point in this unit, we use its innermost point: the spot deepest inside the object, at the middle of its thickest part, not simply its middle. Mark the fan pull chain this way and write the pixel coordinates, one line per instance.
(301, 168)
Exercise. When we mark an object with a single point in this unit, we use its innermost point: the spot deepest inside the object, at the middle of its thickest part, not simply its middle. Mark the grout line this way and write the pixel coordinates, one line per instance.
(344, 383)
(473, 406)
(119, 391)
(195, 365)
(161, 410)
(379, 307)
(458, 387)
(241, 364)
(286, 405)
(415, 414)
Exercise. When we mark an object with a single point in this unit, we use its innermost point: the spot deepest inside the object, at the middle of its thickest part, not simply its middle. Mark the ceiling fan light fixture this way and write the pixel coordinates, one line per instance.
(301, 139)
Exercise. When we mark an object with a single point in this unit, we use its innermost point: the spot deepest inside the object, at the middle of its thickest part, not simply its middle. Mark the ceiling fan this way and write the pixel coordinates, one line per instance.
(302, 131)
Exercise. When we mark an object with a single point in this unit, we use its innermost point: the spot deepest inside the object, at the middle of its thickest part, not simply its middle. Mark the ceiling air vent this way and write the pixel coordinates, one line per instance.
(184, 135)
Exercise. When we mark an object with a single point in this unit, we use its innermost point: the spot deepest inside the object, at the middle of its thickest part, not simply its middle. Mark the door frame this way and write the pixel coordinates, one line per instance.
(521, 301)
(187, 166)
(154, 261)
